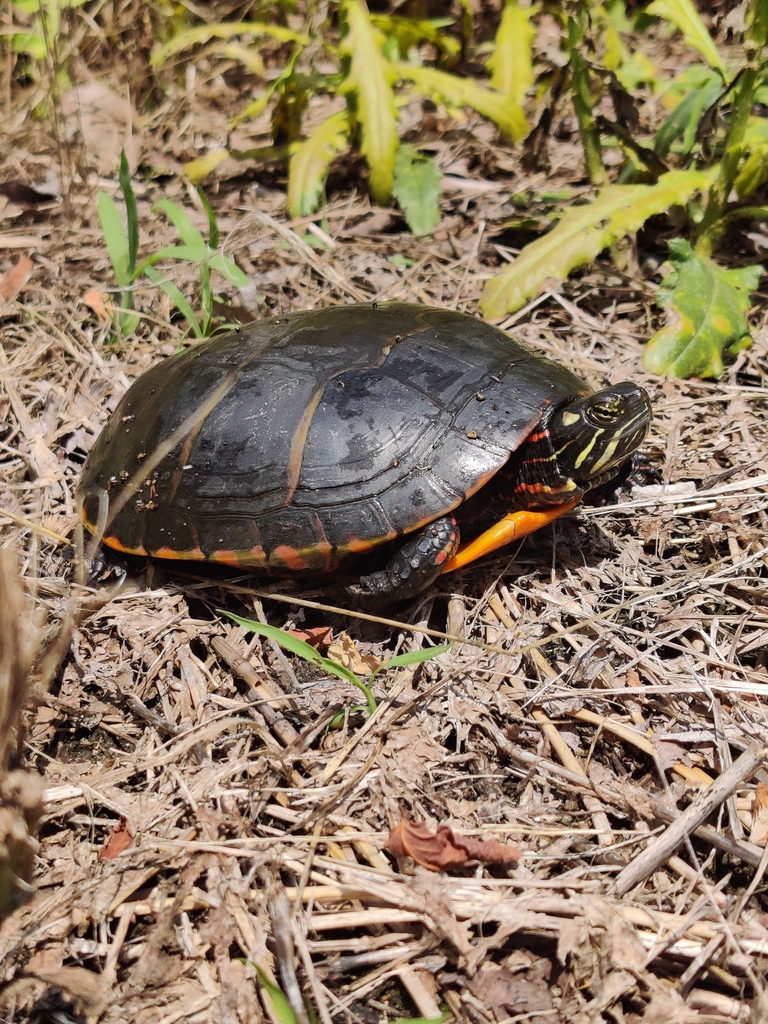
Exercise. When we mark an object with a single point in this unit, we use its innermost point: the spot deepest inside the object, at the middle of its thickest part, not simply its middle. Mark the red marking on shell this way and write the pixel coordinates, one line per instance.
(536, 488)
(290, 557)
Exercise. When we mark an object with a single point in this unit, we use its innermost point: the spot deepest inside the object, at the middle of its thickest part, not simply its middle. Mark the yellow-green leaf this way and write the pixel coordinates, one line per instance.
(511, 62)
(224, 30)
(684, 15)
(199, 169)
(417, 189)
(410, 32)
(369, 83)
(705, 306)
(308, 167)
(464, 92)
(582, 233)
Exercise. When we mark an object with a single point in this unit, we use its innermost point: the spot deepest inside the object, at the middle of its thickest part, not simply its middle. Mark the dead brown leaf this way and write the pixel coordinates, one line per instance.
(98, 301)
(319, 637)
(504, 991)
(120, 840)
(344, 651)
(446, 849)
(16, 278)
(759, 832)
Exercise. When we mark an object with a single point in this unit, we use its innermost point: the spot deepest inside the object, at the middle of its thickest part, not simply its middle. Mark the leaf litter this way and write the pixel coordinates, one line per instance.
(606, 675)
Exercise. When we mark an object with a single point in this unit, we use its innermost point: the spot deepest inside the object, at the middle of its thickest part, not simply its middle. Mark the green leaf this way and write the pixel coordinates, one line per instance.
(511, 62)
(229, 269)
(213, 224)
(701, 88)
(131, 212)
(464, 92)
(413, 657)
(369, 82)
(308, 167)
(183, 224)
(417, 189)
(754, 146)
(223, 30)
(305, 651)
(411, 32)
(30, 43)
(705, 306)
(115, 237)
(282, 1007)
(684, 15)
(582, 233)
(177, 298)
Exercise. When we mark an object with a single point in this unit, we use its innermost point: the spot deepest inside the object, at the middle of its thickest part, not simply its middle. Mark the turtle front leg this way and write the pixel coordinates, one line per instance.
(415, 565)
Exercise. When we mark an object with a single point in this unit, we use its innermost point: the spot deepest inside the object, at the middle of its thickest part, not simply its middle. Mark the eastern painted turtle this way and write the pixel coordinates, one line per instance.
(352, 438)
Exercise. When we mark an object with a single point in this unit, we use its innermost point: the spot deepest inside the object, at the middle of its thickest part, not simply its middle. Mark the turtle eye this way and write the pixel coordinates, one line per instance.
(604, 411)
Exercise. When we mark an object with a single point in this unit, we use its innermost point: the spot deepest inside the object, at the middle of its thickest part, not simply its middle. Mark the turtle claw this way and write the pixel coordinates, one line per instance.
(414, 566)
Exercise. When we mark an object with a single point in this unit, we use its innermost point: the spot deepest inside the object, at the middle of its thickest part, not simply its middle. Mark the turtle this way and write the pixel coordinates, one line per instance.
(358, 442)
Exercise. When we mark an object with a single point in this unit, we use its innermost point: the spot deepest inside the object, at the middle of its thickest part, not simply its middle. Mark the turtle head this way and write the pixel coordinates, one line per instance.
(576, 447)
(593, 436)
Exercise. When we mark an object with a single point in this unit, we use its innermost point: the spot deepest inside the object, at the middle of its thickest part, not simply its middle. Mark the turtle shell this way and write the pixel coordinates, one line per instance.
(300, 441)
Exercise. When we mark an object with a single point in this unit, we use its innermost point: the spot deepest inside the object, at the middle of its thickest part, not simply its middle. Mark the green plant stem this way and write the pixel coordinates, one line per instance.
(713, 221)
(747, 213)
(582, 102)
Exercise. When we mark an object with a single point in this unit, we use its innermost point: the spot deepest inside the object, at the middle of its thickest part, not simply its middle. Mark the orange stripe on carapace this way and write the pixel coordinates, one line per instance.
(192, 555)
(511, 527)
(113, 542)
(357, 546)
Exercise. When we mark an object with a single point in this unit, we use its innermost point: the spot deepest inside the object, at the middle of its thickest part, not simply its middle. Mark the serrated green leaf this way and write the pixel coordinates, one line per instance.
(636, 69)
(684, 16)
(308, 167)
(582, 233)
(511, 62)
(223, 30)
(369, 83)
(410, 32)
(417, 189)
(705, 306)
(464, 92)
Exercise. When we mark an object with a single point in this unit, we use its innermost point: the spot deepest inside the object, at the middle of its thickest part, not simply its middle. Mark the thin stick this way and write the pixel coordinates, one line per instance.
(696, 814)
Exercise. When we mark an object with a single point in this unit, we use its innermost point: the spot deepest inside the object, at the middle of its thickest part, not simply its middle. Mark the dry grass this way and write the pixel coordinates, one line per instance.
(604, 710)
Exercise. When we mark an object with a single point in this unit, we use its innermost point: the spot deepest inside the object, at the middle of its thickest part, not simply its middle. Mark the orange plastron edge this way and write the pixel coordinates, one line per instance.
(511, 527)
